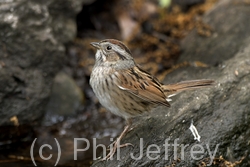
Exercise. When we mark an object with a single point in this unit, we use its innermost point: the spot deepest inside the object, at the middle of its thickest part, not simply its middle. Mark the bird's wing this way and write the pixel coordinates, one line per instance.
(143, 85)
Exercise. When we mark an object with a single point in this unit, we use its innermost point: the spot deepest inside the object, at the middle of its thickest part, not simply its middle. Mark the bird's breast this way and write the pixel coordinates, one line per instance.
(119, 102)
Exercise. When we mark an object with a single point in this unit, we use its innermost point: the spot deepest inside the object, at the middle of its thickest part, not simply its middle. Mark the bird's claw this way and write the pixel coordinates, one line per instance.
(114, 149)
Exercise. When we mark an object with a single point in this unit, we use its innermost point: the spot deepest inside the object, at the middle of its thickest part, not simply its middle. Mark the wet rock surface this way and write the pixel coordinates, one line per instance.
(221, 113)
(66, 98)
(32, 51)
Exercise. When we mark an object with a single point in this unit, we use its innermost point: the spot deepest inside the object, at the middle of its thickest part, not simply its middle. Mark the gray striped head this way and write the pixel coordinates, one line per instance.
(111, 51)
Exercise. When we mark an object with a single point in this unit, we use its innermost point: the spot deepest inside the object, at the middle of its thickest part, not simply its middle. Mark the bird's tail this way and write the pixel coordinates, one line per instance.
(186, 85)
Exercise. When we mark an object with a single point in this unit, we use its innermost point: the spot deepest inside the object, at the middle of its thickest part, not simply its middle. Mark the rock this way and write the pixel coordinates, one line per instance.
(66, 97)
(220, 114)
(229, 35)
(32, 51)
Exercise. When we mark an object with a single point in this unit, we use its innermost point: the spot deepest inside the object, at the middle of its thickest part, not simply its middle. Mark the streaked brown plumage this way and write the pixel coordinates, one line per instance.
(125, 89)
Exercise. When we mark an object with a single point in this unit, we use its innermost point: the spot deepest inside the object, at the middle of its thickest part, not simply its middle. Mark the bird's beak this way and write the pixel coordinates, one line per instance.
(95, 44)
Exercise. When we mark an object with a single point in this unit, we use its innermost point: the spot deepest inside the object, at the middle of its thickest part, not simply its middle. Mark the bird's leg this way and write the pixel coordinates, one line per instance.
(116, 143)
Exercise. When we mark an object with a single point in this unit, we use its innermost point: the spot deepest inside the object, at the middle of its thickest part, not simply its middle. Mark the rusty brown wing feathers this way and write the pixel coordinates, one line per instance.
(143, 85)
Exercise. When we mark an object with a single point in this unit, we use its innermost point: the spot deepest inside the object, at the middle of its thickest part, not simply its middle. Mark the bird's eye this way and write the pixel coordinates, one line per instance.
(109, 47)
